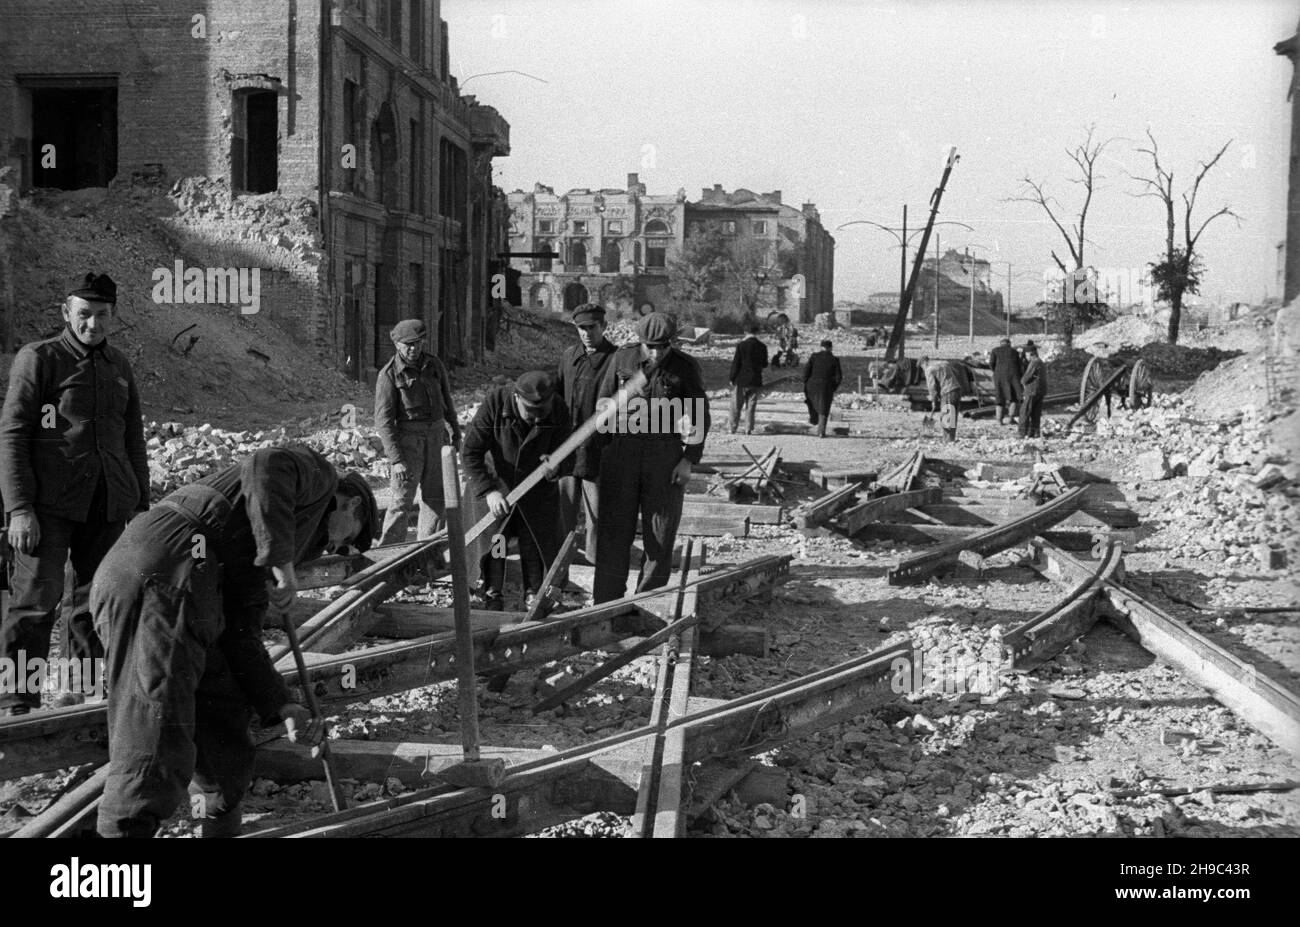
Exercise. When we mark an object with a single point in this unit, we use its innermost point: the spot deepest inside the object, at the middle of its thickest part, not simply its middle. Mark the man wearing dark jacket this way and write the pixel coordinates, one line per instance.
(519, 427)
(646, 460)
(747, 379)
(179, 601)
(946, 381)
(1034, 382)
(414, 416)
(582, 367)
(821, 378)
(73, 471)
(1007, 370)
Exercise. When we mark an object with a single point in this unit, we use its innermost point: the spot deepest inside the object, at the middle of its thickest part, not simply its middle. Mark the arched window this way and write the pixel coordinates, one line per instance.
(542, 265)
(577, 254)
(656, 227)
(611, 257)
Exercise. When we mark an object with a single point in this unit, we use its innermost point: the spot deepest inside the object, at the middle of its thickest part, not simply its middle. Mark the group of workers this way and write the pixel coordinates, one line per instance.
(1020, 384)
(170, 599)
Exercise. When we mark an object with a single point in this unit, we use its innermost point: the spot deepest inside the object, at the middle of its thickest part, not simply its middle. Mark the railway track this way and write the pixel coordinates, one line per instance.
(649, 773)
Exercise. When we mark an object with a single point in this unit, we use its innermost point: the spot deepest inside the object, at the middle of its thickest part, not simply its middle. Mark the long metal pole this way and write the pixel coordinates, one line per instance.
(970, 264)
(937, 262)
(1008, 299)
(895, 349)
(902, 263)
(466, 684)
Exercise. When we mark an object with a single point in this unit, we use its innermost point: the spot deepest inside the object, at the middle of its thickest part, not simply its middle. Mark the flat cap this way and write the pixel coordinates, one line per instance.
(408, 330)
(656, 328)
(97, 287)
(535, 387)
(588, 313)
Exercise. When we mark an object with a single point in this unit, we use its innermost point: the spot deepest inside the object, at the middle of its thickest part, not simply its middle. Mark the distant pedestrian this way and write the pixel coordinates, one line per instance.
(945, 380)
(822, 376)
(1007, 370)
(1034, 382)
(747, 379)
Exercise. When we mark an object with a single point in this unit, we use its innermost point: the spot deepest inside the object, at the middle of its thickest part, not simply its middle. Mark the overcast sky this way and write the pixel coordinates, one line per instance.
(852, 104)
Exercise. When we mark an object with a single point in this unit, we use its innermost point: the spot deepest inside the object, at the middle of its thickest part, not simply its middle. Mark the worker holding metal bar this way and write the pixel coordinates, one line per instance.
(415, 417)
(179, 602)
(646, 458)
(518, 427)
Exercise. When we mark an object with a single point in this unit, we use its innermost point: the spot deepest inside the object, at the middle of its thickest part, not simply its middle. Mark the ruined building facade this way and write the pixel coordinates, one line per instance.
(612, 247)
(342, 113)
(615, 247)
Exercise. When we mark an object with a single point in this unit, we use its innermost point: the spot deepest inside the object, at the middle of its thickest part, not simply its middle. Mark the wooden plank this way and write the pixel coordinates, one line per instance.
(405, 620)
(549, 593)
(374, 761)
(713, 526)
(708, 508)
(854, 519)
(822, 510)
(830, 479)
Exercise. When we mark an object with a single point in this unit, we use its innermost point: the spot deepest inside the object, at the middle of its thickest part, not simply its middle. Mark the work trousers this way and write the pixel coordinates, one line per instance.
(36, 589)
(534, 529)
(744, 400)
(1031, 415)
(1008, 394)
(579, 495)
(422, 453)
(636, 482)
(175, 708)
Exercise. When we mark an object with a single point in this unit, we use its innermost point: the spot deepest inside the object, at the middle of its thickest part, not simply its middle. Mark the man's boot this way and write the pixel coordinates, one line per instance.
(1001, 412)
(227, 824)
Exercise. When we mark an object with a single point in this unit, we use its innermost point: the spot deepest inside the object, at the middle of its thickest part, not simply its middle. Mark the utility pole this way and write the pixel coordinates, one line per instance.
(937, 262)
(971, 270)
(895, 349)
(1008, 307)
(902, 264)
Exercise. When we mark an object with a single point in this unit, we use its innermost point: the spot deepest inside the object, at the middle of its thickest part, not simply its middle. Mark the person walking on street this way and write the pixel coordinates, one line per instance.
(822, 376)
(746, 379)
(946, 384)
(73, 472)
(646, 460)
(1034, 382)
(582, 367)
(414, 415)
(179, 602)
(1007, 371)
(519, 427)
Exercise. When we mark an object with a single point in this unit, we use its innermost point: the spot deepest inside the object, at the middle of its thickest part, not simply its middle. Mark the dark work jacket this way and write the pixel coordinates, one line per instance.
(578, 381)
(1035, 378)
(678, 377)
(412, 398)
(821, 378)
(1005, 361)
(97, 432)
(277, 500)
(515, 445)
(748, 363)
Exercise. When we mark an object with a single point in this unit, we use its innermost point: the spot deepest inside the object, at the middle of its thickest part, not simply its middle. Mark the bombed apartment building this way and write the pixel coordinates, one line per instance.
(325, 144)
(610, 246)
(782, 242)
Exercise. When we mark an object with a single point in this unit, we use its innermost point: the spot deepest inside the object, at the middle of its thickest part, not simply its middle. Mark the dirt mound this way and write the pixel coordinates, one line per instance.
(239, 367)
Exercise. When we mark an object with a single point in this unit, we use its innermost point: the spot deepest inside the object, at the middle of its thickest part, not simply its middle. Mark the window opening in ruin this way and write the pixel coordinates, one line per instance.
(542, 265)
(610, 257)
(254, 145)
(656, 227)
(580, 226)
(417, 31)
(655, 257)
(615, 227)
(353, 288)
(575, 294)
(729, 227)
(386, 314)
(352, 128)
(578, 255)
(395, 22)
(416, 162)
(760, 227)
(546, 226)
(74, 134)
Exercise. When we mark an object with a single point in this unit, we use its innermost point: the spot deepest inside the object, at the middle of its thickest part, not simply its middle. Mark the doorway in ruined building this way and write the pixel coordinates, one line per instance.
(73, 130)
(254, 146)
(575, 294)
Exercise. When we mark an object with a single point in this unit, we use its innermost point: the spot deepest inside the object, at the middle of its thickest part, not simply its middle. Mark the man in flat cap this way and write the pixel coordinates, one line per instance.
(414, 415)
(519, 427)
(73, 471)
(582, 367)
(647, 455)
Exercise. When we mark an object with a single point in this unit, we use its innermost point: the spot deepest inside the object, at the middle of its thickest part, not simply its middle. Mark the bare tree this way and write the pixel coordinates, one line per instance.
(1078, 298)
(1179, 273)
